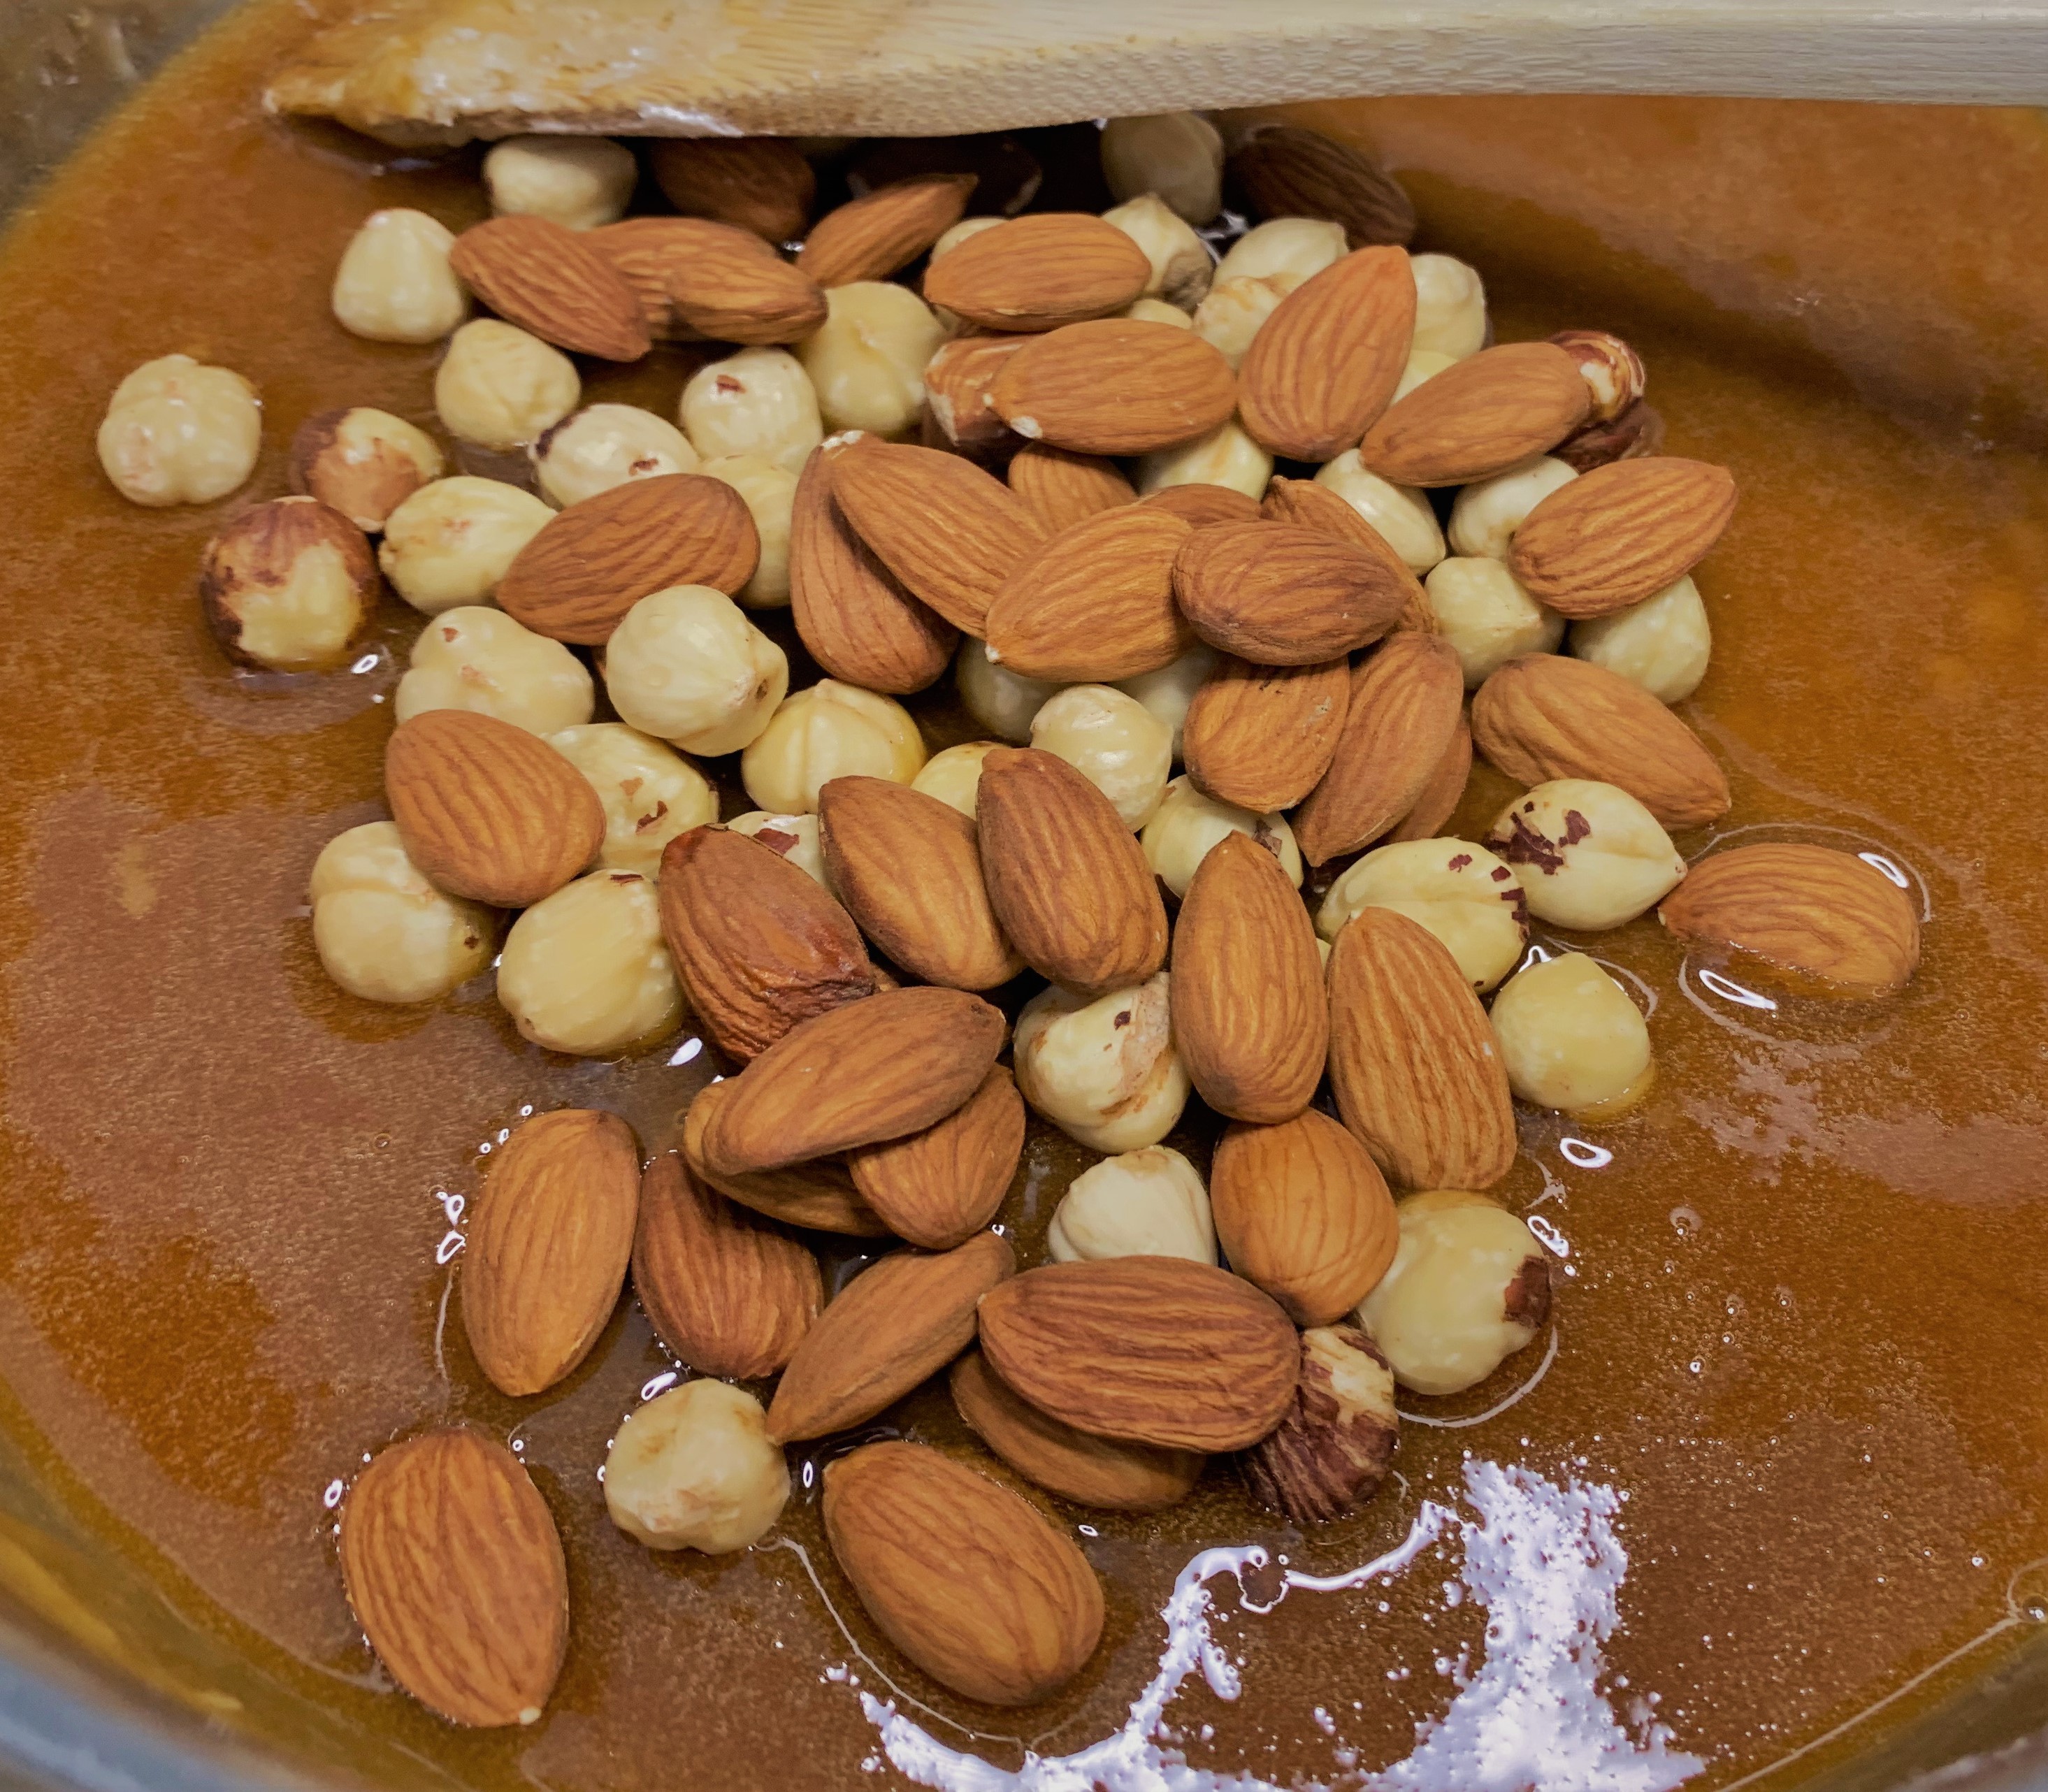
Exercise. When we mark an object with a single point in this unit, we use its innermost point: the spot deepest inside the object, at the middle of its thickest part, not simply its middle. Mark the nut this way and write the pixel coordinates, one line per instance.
(1147, 1203)
(694, 1469)
(604, 445)
(1422, 364)
(955, 234)
(761, 184)
(1442, 791)
(1572, 1039)
(954, 776)
(1590, 856)
(1297, 248)
(1638, 430)
(771, 492)
(584, 971)
(581, 182)
(383, 931)
(394, 283)
(1116, 387)
(1176, 157)
(1286, 593)
(1610, 369)
(957, 413)
(288, 585)
(364, 463)
(1485, 516)
(995, 696)
(1188, 824)
(650, 793)
(1234, 311)
(1333, 1450)
(556, 283)
(1325, 365)
(470, 657)
(685, 665)
(1487, 617)
(1287, 171)
(939, 1187)
(696, 278)
(1663, 643)
(758, 402)
(794, 837)
(1156, 311)
(1491, 411)
(1104, 1072)
(1450, 306)
(1063, 489)
(1400, 513)
(1261, 737)
(1168, 691)
(818, 1196)
(867, 360)
(830, 731)
(1038, 272)
(1622, 532)
(449, 543)
(1461, 892)
(500, 388)
(1181, 265)
(871, 237)
(1114, 742)
(177, 432)
(1226, 456)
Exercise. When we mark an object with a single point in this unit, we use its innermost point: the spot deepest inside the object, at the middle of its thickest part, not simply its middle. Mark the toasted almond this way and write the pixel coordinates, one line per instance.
(1310, 505)
(761, 184)
(1336, 1446)
(1613, 537)
(1063, 488)
(1116, 386)
(1638, 430)
(1096, 602)
(819, 1195)
(1280, 595)
(1442, 793)
(1286, 172)
(957, 379)
(1262, 736)
(871, 237)
(545, 277)
(731, 288)
(1325, 365)
(1480, 417)
(939, 1187)
(1203, 506)
(1036, 272)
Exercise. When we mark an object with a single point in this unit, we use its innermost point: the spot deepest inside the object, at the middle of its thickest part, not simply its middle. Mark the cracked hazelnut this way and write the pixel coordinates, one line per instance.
(758, 402)
(1298, 248)
(831, 730)
(581, 182)
(288, 585)
(1483, 611)
(1611, 369)
(1114, 742)
(585, 971)
(1462, 893)
(1663, 643)
(501, 388)
(177, 433)
(1450, 306)
(1104, 1071)
(1400, 513)
(1147, 1203)
(867, 360)
(395, 284)
(605, 445)
(1226, 456)
(1187, 824)
(1485, 515)
(364, 463)
(1178, 156)
(1571, 1038)
(694, 1469)
(449, 543)
(1181, 266)
(383, 931)
(770, 491)
(1233, 311)
(954, 776)
(1168, 691)
(794, 836)
(650, 793)
(685, 665)
(471, 657)
(1336, 1446)
(1589, 855)
(1002, 701)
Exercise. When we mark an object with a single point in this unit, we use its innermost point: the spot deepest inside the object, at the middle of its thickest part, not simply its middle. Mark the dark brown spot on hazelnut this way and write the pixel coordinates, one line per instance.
(1460, 863)
(1526, 1299)
(1576, 827)
(1122, 1019)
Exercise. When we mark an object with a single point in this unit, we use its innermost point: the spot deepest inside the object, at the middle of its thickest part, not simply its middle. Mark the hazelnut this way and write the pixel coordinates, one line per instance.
(500, 388)
(1422, 364)
(450, 542)
(365, 463)
(1611, 369)
(1114, 742)
(1483, 611)
(1400, 513)
(177, 432)
(1485, 515)
(1450, 306)
(1175, 157)
(1181, 265)
(1639, 430)
(288, 585)
(1233, 311)
(1663, 643)
(584, 971)
(831, 730)
(794, 836)
(394, 283)
(1002, 702)
(1168, 691)
(954, 776)
(472, 658)
(604, 445)
(1589, 855)
(650, 793)
(1187, 824)
(758, 402)
(383, 931)
(769, 491)
(685, 665)
(694, 1469)
(1336, 1444)
(1571, 1039)
(867, 360)
(1469, 1286)
(1103, 1071)
(581, 182)
(955, 234)
(1156, 311)
(1461, 892)
(1299, 248)
(1147, 1203)
(1226, 456)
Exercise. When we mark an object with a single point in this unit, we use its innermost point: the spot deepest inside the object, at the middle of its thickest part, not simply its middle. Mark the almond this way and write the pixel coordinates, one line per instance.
(1069, 881)
(731, 287)
(545, 277)
(1302, 1211)
(1096, 602)
(549, 1238)
(1418, 1073)
(1639, 430)
(1444, 790)
(1811, 910)
(1286, 172)
(1406, 701)
(760, 183)
(1250, 1021)
(819, 1195)
(454, 1569)
(1062, 488)
(1480, 417)
(646, 251)
(957, 380)
(939, 1187)
(1262, 736)
(966, 1578)
(728, 1293)
(1325, 365)
(908, 868)
(871, 237)
(1116, 387)
(487, 810)
(758, 946)
(1149, 1350)
(1036, 272)
(1615, 536)
(1310, 505)
(1544, 716)
(1335, 1447)
(1280, 595)
(903, 1319)
(1204, 506)
(591, 563)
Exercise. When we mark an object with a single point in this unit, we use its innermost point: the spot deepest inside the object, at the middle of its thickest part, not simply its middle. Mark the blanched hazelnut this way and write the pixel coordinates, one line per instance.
(605, 445)
(476, 658)
(1589, 855)
(1187, 824)
(1147, 1203)
(384, 933)
(365, 463)
(794, 836)
(1168, 691)
(1422, 364)
(1450, 306)
(1400, 513)
(394, 283)
(1002, 702)
(500, 388)
(1300, 248)
(1181, 266)
(758, 402)
(1663, 643)
(955, 234)
(1105, 1071)
(769, 491)
(1484, 516)
(584, 971)
(954, 776)
(1114, 742)
(581, 182)
(830, 731)
(288, 585)
(1483, 612)
(694, 1469)
(1469, 1286)
(1461, 892)
(177, 432)
(650, 793)
(1571, 1039)
(1234, 311)
(867, 360)
(451, 542)
(685, 665)
(1177, 156)
(1156, 311)
(1226, 456)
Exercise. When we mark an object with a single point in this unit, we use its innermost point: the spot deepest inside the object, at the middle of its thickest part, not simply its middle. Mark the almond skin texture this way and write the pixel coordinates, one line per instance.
(757, 945)
(1096, 602)
(1036, 273)
(732, 288)
(1090, 1471)
(1334, 1448)
(642, 250)
(1302, 1211)
(1406, 701)
(1417, 1073)
(1612, 536)
(818, 1195)
(1279, 594)
(908, 868)
(760, 183)
(1069, 881)
(1310, 505)
(1116, 387)
(454, 1570)
(487, 810)
(957, 379)
(939, 1187)
(591, 563)
(962, 1575)
(1325, 365)
(1444, 792)
(1063, 488)
(870, 238)
(1546, 716)
(1480, 417)
(549, 1240)
(1262, 736)
(903, 1319)
(1826, 917)
(1250, 1021)
(730, 1294)
(1206, 506)
(1286, 172)
(543, 277)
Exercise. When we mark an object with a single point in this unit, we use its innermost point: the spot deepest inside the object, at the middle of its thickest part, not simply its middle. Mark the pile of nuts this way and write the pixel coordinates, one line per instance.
(1154, 508)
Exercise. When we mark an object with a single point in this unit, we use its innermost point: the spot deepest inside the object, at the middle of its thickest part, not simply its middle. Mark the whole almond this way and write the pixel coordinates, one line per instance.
(1442, 793)
(1069, 881)
(1203, 506)
(1286, 172)
(548, 1242)
(1117, 386)
(760, 183)
(1480, 416)
(1063, 488)
(1262, 736)
(454, 1569)
(641, 250)
(1335, 1447)
(545, 277)
(656, 255)
(731, 287)
(966, 1578)
(728, 1293)
(1250, 1020)
(871, 237)
(1417, 1070)
(487, 810)
(1545, 716)
(1638, 430)
(1310, 505)
(939, 1187)
(1036, 272)
(906, 1318)
(957, 380)
(1280, 595)
(819, 1195)
(1621, 533)
(1325, 365)
(1096, 602)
